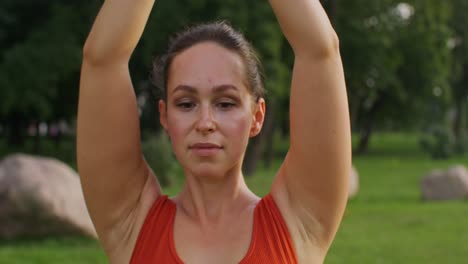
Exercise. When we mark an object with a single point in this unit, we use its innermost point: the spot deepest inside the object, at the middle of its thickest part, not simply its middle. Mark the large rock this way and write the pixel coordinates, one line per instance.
(41, 197)
(353, 183)
(446, 185)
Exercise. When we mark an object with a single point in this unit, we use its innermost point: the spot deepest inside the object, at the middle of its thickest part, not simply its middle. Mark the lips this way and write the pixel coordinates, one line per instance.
(205, 145)
(205, 149)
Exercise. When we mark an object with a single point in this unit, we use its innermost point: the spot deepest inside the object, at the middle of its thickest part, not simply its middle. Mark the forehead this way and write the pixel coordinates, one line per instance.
(206, 65)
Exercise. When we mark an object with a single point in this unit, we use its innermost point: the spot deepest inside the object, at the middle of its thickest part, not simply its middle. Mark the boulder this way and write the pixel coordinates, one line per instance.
(353, 183)
(451, 184)
(41, 197)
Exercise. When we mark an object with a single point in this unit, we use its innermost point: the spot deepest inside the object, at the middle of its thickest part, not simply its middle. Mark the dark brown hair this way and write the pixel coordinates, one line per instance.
(220, 33)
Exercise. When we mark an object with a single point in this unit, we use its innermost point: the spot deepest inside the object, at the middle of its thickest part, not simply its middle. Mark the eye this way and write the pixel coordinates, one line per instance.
(185, 105)
(225, 105)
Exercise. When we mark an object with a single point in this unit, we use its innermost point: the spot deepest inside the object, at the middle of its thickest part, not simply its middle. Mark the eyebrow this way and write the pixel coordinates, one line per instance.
(216, 89)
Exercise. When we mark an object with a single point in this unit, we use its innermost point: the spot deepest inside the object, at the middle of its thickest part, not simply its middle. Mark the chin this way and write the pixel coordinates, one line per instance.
(208, 171)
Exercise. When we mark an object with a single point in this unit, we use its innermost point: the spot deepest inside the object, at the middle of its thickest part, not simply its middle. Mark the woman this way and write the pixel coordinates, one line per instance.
(211, 108)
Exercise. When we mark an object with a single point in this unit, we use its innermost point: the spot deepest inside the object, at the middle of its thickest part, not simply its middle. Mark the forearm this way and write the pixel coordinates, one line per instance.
(117, 30)
(306, 26)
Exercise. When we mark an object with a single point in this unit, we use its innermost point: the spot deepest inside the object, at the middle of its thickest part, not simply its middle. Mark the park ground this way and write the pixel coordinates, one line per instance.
(387, 222)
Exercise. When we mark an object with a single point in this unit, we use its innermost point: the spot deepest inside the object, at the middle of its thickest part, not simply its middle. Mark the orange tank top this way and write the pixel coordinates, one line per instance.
(270, 243)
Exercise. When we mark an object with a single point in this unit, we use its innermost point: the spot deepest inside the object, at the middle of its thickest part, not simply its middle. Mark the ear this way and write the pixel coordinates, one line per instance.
(163, 114)
(258, 117)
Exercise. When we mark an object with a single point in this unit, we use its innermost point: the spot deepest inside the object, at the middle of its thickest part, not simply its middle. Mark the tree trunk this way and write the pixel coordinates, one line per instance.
(354, 109)
(37, 140)
(367, 129)
(461, 93)
(256, 145)
(458, 118)
(364, 137)
(253, 154)
(269, 128)
(15, 129)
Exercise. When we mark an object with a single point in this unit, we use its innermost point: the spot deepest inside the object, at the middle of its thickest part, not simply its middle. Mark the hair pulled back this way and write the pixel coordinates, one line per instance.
(222, 34)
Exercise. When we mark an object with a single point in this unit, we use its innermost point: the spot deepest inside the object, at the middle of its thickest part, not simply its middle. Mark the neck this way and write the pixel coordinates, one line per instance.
(209, 202)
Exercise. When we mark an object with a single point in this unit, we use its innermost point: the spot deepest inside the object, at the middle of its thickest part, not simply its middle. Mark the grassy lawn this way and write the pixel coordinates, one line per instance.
(52, 251)
(387, 223)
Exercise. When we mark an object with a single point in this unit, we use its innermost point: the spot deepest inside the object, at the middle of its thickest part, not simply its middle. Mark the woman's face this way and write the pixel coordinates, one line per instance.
(209, 114)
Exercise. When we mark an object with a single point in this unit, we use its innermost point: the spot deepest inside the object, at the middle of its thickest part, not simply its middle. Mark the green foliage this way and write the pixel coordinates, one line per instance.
(400, 71)
(395, 60)
(392, 64)
(426, 69)
(459, 79)
(63, 149)
(35, 62)
(158, 153)
(461, 145)
(458, 23)
(439, 142)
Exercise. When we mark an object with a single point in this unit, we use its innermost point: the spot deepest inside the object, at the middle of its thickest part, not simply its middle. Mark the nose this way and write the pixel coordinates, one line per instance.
(206, 123)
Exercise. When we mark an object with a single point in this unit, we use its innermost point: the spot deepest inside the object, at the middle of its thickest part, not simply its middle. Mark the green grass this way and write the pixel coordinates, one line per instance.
(386, 223)
(52, 251)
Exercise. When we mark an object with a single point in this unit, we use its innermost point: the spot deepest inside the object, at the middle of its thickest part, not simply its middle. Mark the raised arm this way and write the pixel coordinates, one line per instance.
(311, 186)
(117, 183)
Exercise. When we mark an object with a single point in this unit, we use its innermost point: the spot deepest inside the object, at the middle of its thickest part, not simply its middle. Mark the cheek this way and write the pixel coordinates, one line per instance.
(177, 127)
(238, 129)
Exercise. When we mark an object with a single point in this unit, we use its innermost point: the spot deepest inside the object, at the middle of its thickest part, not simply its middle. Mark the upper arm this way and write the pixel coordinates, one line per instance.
(111, 165)
(313, 180)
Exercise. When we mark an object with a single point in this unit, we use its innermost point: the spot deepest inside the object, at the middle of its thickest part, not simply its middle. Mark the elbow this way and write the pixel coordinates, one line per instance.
(88, 51)
(334, 45)
(330, 48)
(91, 55)
(327, 47)
(96, 55)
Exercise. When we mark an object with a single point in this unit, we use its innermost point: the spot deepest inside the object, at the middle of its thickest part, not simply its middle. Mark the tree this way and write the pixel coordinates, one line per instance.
(459, 43)
(395, 57)
(33, 64)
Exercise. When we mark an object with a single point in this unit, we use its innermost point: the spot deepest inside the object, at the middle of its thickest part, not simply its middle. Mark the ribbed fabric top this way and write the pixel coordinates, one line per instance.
(271, 242)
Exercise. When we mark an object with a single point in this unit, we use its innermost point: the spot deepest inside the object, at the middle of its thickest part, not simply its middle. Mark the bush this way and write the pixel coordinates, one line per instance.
(439, 141)
(158, 153)
(461, 146)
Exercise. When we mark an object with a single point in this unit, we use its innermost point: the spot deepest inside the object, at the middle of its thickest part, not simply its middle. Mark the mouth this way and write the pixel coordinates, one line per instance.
(205, 145)
(205, 149)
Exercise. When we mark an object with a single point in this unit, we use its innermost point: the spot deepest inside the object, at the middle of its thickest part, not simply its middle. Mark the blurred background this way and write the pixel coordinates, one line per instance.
(406, 66)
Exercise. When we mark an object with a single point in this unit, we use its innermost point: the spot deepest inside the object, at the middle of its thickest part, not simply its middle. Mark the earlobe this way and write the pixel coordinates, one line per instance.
(255, 129)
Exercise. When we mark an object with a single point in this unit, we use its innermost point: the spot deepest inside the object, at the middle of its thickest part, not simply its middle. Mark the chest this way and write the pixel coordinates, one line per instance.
(260, 236)
(227, 243)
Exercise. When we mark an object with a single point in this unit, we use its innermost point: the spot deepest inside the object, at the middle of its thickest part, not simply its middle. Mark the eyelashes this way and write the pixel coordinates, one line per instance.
(185, 105)
(224, 104)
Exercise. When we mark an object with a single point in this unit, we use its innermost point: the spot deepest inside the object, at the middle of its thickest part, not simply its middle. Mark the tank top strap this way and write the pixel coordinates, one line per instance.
(154, 241)
(271, 241)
